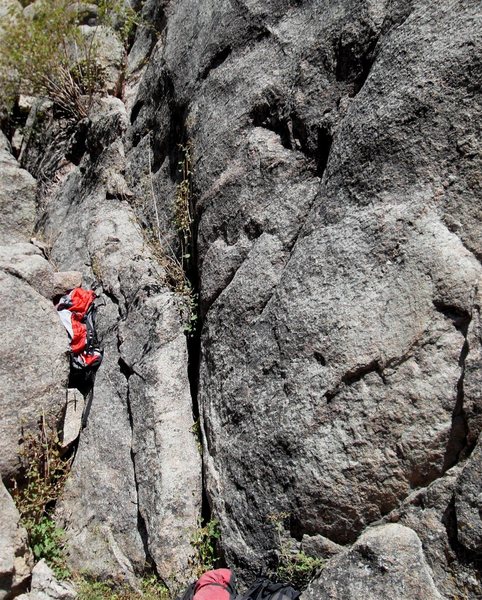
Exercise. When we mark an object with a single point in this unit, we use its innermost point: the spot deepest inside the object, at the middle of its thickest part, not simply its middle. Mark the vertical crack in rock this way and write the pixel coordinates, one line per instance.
(127, 371)
(457, 444)
(193, 342)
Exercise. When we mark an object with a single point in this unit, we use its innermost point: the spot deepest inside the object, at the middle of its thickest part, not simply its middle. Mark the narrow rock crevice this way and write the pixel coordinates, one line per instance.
(354, 59)
(127, 371)
(193, 342)
(466, 557)
(457, 446)
(216, 61)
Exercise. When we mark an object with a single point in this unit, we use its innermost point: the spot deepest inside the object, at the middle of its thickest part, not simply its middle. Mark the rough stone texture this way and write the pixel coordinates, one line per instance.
(45, 586)
(129, 499)
(385, 562)
(72, 422)
(468, 502)
(319, 546)
(337, 167)
(34, 365)
(430, 512)
(27, 262)
(33, 355)
(17, 198)
(16, 560)
(66, 281)
(337, 170)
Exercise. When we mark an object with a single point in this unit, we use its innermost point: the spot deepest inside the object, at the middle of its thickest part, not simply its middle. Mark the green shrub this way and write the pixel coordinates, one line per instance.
(36, 57)
(36, 491)
(204, 541)
(48, 55)
(294, 565)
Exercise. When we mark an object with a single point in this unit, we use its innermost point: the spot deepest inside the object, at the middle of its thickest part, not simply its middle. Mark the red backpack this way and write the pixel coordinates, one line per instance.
(76, 310)
(213, 585)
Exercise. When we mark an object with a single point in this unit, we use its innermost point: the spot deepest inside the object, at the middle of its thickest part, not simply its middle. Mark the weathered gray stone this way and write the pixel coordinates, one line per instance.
(130, 498)
(34, 365)
(386, 562)
(430, 513)
(26, 262)
(468, 502)
(337, 178)
(319, 546)
(65, 281)
(336, 288)
(72, 423)
(16, 560)
(17, 198)
(46, 585)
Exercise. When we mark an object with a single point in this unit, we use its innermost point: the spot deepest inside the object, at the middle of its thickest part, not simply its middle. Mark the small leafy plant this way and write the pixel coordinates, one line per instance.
(204, 541)
(294, 565)
(36, 491)
(46, 541)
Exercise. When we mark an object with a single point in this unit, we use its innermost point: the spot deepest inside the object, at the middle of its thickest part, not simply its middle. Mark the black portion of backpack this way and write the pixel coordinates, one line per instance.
(89, 320)
(265, 589)
(188, 594)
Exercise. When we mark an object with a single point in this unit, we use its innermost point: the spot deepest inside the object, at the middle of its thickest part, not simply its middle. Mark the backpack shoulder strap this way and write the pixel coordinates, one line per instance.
(188, 594)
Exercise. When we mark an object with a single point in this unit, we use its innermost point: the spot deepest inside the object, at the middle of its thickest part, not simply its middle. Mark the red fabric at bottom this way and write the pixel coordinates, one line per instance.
(205, 590)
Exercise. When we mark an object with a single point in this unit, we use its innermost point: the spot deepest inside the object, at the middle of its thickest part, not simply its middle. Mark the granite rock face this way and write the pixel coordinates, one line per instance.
(337, 223)
(129, 500)
(33, 355)
(385, 562)
(468, 503)
(17, 197)
(337, 169)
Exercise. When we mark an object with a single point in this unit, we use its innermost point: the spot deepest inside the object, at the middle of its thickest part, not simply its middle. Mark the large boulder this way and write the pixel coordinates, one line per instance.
(34, 363)
(17, 198)
(385, 562)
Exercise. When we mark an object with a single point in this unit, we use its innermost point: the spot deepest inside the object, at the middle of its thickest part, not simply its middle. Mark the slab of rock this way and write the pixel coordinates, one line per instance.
(319, 546)
(130, 497)
(46, 586)
(468, 502)
(65, 281)
(17, 198)
(339, 251)
(74, 407)
(34, 365)
(16, 560)
(385, 562)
